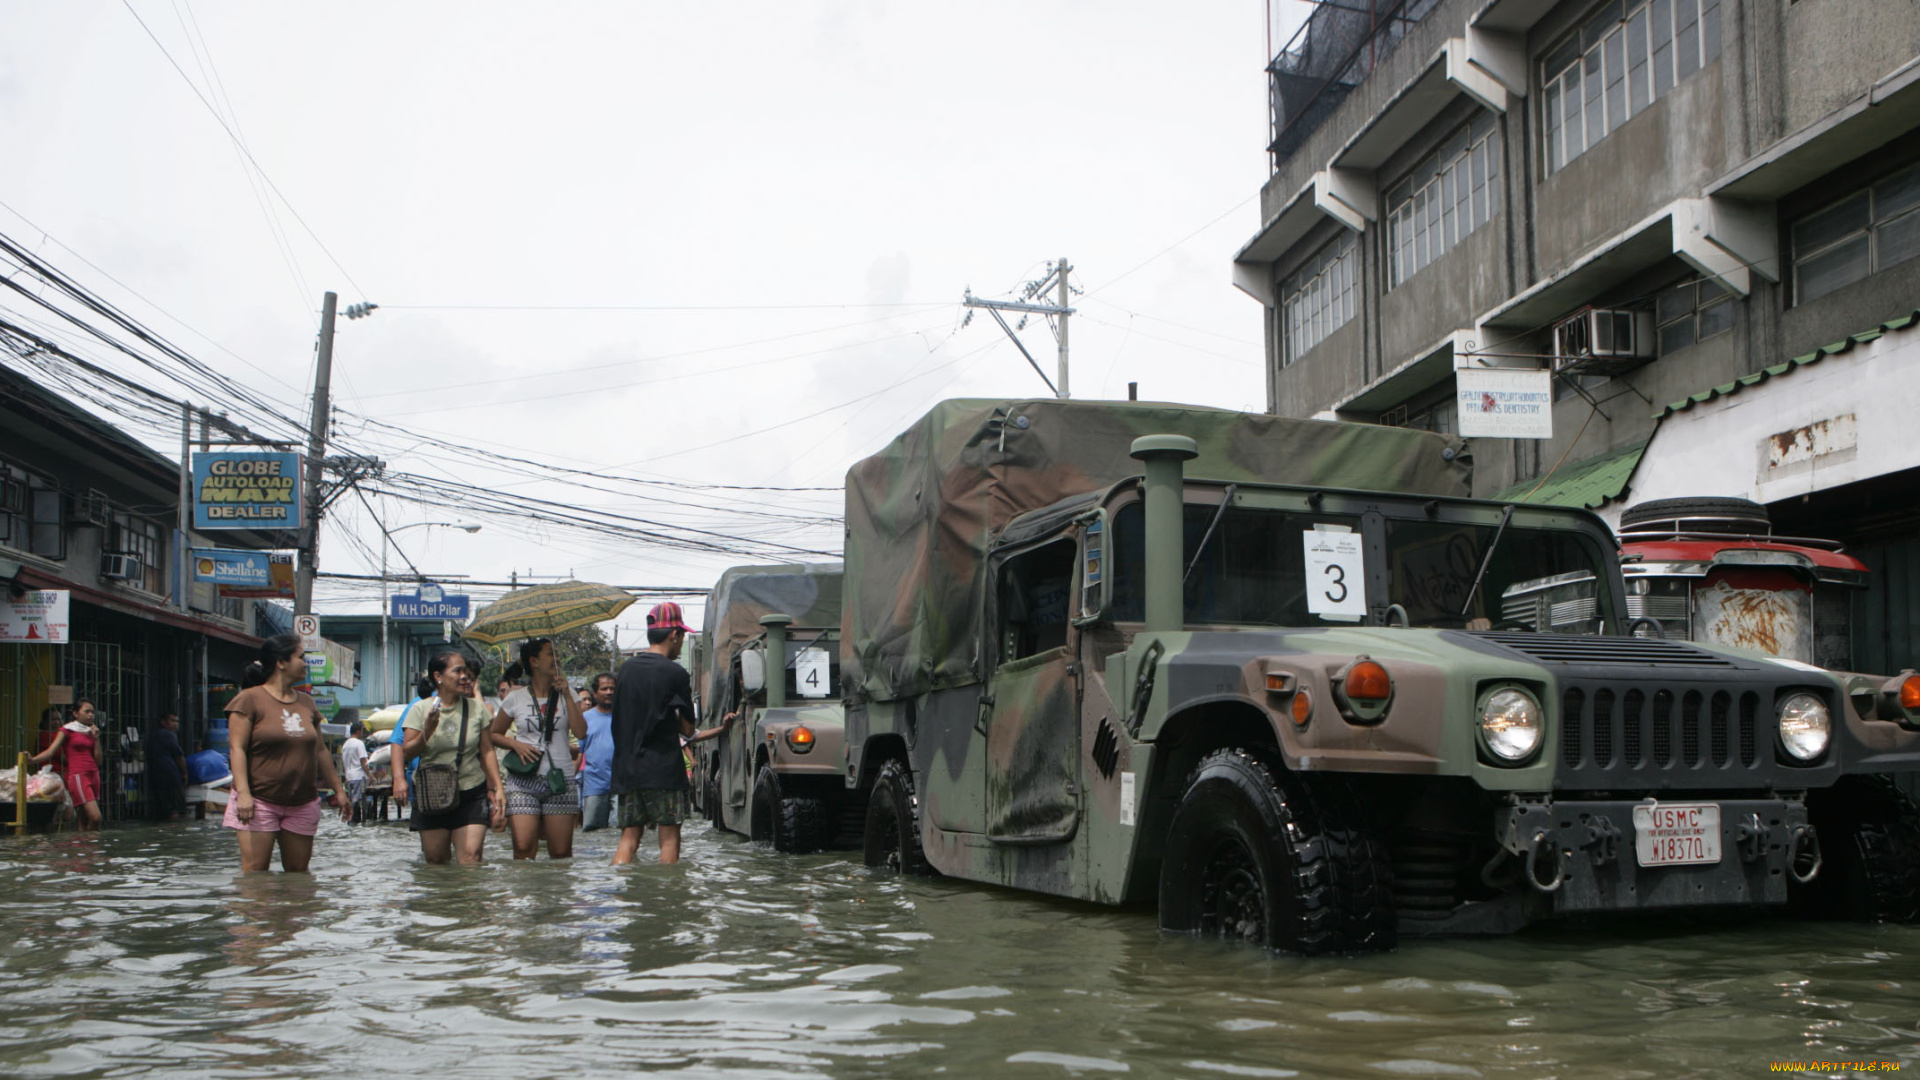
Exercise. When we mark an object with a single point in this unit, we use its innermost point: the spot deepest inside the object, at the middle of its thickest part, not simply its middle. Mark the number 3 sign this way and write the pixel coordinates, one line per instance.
(1336, 578)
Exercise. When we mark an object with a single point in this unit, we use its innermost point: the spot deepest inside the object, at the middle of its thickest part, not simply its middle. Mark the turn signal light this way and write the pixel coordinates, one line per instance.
(1302, 708)
(1276, 682)
(1910, 693)
(800, 739)
(1367, 682)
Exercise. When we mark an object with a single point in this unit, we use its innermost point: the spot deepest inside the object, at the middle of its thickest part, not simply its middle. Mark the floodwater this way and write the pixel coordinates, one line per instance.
(144, 950)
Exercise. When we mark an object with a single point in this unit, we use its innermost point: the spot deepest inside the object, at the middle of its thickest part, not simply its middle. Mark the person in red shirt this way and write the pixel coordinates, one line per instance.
(76, 746)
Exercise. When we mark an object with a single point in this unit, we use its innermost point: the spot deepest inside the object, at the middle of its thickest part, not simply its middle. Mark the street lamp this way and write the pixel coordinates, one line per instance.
(386, 537)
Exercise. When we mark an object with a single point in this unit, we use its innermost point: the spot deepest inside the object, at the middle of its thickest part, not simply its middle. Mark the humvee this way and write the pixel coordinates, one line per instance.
(1261, 673)
(773, 646)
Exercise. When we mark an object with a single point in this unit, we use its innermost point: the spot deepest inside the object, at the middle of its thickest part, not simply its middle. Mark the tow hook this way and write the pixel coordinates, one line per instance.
(1750, 836)
(1603, 839)
(1543, 840)
(1803, 849)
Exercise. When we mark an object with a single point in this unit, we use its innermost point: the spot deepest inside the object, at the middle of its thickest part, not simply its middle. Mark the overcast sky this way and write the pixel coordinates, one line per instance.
(776, 168)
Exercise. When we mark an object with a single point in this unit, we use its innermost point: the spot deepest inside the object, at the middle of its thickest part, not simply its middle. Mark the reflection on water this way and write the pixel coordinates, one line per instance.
(144, 948)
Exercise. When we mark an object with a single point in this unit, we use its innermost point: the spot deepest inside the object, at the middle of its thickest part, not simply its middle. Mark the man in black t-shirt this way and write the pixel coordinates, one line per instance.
(167, 770)
(652, 709)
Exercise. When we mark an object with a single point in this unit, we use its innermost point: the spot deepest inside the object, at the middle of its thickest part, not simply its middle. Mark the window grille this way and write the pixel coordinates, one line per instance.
(1867, 231)
(1320, 297)
(1626, 57)
(1446, 197)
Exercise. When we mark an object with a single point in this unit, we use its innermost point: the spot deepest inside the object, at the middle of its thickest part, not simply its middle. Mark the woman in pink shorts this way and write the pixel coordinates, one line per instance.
(76, 746)
(277, 755)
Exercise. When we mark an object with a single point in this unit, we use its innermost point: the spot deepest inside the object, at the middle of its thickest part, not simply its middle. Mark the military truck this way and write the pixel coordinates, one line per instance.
(1257, 672)
(773, 636)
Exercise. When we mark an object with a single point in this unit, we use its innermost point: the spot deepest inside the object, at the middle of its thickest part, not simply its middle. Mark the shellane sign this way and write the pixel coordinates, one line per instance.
(1502, 404)
(246, 490)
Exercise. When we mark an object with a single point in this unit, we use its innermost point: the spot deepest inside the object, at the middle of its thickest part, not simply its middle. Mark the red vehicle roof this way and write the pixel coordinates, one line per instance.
(1698, 548)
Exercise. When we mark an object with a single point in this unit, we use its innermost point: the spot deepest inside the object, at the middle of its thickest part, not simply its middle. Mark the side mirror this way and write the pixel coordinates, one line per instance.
(753, 671)
(1093, 568)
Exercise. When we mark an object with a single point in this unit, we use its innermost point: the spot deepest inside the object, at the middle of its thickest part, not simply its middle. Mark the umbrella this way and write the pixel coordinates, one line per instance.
(545, 610)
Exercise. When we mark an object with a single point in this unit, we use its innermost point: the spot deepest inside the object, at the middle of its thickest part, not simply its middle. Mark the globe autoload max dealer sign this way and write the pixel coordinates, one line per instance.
(246, 490)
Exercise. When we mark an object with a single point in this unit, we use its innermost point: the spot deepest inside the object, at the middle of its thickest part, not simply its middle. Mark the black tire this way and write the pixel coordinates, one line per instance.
(791, 823)
(1869, 834)
(1261, 855)
(710, 797)
(892, 836)
(1722, 514)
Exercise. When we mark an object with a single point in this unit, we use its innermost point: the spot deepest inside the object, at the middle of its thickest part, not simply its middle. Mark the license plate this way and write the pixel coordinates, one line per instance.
(1676, 834)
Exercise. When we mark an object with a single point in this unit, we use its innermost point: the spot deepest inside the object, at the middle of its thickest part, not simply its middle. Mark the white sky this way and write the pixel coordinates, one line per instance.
(736, 156)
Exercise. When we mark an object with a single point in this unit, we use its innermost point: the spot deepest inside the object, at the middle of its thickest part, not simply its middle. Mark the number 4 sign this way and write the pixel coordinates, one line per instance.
(1336, 575)
(813, 673)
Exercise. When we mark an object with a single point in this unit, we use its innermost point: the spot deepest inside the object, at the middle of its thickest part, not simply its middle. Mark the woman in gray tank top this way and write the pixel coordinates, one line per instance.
(542, 781)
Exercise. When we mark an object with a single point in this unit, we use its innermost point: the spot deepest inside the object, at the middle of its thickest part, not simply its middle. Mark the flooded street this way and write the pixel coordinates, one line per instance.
(142, 949)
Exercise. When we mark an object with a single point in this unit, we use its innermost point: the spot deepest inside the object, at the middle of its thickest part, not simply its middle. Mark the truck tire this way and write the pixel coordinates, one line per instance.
(892, 835)
(710, 799)
(1869, 834)
(791, 823)
(1719, 514)
(1261, 855)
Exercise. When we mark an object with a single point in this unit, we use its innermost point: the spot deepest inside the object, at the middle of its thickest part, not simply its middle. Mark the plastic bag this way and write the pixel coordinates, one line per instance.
(46, 786)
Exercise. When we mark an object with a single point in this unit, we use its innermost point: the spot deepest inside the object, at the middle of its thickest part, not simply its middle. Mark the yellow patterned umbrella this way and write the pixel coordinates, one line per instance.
(546, 610)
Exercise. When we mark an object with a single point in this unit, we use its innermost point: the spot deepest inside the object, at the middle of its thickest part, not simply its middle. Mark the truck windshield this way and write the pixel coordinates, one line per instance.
(1283, 568)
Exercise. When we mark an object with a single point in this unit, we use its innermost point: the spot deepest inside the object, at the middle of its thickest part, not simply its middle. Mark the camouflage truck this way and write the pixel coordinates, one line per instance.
(1275, 692)
(773, 637)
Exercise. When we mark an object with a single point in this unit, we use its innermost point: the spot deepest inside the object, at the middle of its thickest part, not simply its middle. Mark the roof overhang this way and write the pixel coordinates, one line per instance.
(1512, 16)
(1725, 239)
(1343, 195)
(1448, 75)
(1431, 367)
(1890, 109)
(127, 605)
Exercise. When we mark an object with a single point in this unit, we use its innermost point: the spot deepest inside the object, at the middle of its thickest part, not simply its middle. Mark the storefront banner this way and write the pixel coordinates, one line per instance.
(223, 567)
(246, 490)
(38, 618)
(319, 667)
(279, 583)
(326, 705)
(1505, 404)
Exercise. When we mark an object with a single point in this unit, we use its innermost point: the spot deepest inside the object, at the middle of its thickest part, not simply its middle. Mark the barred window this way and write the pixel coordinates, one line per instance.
(1447, 196)
(1692, 311)
(1626, 56)
(1442, 416)
(140, 538)
(1320, 297)
(1867, 231)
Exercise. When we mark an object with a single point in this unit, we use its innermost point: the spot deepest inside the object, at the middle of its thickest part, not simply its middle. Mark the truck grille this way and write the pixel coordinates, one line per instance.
(1613, 736)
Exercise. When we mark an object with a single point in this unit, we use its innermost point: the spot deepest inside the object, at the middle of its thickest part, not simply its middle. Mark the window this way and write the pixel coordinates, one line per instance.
(1320, 297)
(1692, 311)
(1867, 231)
(1034, 593)
(1253, 570)
(140, 538)
(1453, 192)
(1441, 416)
(33, 513)
(1626, 56)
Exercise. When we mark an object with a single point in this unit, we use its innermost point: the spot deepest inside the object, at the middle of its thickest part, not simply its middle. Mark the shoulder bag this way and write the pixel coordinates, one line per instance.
(436, 786)
(519, 766)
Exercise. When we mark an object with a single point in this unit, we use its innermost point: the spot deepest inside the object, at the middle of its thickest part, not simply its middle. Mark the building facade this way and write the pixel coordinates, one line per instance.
(87, 509)
(1652, 200)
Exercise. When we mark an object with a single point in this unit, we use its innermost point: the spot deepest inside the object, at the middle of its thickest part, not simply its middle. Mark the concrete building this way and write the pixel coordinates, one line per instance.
(1660, 205)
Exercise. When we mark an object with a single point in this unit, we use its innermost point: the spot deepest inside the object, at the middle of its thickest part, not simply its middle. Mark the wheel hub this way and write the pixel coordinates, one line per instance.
(1232, 902)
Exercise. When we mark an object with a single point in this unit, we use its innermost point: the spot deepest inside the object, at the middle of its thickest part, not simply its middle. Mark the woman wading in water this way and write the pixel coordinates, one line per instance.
(450, 729)
(275, 738)
(76, 744)
(543, 788)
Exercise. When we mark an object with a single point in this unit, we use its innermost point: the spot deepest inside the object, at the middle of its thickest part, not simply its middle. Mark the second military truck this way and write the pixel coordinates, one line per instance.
(1262, 673)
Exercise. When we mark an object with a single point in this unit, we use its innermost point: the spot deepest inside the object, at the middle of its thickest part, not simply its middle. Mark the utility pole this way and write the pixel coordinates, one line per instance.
(1032, 303)
(181, 559)
(316, 452)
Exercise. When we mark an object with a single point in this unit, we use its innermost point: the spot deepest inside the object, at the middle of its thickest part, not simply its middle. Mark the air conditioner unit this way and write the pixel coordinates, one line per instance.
(120, 567)
(96, 509)
(1599, 341)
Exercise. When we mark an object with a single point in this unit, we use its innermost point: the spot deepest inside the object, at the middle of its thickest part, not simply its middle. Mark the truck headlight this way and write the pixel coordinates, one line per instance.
(1805, 726)
(1510, 724)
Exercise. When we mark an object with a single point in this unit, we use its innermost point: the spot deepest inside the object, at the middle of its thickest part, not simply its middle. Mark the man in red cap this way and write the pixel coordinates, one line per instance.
(652, 709)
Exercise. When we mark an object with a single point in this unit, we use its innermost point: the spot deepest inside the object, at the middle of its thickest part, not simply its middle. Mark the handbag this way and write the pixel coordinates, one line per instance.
(519, 766)
(436, 785)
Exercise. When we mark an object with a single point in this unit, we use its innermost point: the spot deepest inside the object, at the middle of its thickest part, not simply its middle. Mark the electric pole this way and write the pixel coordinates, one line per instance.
(316, 453)
(1056, 312)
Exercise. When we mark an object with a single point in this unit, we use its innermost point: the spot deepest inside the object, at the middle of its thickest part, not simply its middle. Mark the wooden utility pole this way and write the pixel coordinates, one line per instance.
(1030, 305)
(316, 454)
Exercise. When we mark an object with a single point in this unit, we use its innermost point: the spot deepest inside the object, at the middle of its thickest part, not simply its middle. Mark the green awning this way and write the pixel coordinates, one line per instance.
(1587, 484)
(1788, 367)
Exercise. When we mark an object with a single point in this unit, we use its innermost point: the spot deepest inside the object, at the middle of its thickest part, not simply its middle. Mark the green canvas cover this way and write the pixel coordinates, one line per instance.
(922, 512)
(810, 592)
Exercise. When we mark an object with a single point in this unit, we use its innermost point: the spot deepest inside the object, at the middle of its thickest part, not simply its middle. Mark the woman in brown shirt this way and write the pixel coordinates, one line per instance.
(277, 753)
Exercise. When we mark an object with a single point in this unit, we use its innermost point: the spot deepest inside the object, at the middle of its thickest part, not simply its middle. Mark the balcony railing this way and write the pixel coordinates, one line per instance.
(1339, 44)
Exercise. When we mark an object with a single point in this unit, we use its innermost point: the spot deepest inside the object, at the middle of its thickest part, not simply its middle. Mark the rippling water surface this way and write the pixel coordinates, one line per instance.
(143, 949)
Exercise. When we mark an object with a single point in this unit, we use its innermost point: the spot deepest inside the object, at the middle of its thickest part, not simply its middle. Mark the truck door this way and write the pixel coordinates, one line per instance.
(1033, 721)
